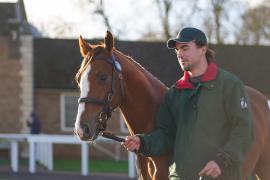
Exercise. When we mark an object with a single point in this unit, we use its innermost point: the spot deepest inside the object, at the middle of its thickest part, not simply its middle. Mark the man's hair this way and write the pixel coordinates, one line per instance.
(210, 54)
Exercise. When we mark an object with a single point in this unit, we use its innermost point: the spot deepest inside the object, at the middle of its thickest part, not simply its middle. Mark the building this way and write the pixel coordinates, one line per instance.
(16, 68)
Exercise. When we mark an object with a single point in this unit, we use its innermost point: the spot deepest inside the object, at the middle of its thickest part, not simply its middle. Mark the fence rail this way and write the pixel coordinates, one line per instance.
(41, 149)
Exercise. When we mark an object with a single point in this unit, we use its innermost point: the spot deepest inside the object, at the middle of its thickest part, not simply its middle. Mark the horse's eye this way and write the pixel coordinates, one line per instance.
(103, 77)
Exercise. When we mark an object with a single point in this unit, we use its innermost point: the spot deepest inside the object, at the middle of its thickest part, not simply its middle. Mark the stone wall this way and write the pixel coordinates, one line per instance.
(27, 85)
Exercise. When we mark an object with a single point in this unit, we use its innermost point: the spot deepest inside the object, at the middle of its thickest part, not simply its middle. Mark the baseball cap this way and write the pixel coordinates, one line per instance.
(186, 35)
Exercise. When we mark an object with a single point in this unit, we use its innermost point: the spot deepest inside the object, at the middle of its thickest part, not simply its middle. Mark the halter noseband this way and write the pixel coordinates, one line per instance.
(105, 113)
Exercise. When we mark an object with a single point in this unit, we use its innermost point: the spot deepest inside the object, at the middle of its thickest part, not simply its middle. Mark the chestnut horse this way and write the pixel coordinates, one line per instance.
(109, 79)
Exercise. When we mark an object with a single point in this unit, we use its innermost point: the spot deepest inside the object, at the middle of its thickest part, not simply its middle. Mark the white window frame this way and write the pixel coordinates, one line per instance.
(62, 110)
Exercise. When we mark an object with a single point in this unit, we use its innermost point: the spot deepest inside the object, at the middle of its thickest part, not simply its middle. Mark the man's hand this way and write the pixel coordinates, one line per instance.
(211, 169)
(132, 143)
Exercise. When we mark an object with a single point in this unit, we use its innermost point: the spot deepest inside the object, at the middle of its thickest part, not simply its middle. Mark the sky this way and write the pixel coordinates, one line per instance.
(130, 18)
(86, 24)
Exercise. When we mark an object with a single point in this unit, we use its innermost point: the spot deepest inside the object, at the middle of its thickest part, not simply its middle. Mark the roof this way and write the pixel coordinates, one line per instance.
(250, 63)
(13, 17)
(56, 62)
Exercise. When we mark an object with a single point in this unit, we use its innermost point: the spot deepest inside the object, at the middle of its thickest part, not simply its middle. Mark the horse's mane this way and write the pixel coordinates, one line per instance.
(100, 47)
(140, 67)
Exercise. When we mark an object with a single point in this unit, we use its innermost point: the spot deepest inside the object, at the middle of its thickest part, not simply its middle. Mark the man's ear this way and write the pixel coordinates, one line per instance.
(204, 49)
(84, 47)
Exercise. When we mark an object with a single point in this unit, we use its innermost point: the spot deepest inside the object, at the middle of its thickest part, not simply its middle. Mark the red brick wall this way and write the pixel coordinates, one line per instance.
(47, 106)
(10, 91)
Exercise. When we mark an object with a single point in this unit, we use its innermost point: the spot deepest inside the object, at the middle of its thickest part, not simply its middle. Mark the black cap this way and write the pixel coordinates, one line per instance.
(186, 35)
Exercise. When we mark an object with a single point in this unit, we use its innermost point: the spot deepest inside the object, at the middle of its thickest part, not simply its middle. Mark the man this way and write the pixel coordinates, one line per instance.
(34, 123)
(205, 117)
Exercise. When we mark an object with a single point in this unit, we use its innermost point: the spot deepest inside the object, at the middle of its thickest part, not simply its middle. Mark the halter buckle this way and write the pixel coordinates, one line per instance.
(110, 96)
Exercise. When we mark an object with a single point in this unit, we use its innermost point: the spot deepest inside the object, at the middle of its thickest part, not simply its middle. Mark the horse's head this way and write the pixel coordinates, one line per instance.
(100, 82)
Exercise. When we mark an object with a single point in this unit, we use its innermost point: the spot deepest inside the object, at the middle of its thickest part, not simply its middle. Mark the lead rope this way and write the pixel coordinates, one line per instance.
(111, 136)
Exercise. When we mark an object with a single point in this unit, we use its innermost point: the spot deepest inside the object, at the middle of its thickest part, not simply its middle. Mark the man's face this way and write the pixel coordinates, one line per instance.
(189, 55)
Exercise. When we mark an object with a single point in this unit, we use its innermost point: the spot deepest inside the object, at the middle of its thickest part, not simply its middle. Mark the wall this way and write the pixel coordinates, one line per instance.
(27, 80)
(10, 90)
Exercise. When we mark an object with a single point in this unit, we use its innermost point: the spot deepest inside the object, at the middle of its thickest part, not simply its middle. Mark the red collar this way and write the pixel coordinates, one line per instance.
(210, 74)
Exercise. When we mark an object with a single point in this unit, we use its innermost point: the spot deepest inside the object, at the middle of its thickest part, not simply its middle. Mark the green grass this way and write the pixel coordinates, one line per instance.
(5, 161)
(94, 166)
(109, 166)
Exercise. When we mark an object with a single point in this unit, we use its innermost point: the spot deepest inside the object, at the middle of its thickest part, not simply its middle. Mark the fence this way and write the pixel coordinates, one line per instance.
(41, 149)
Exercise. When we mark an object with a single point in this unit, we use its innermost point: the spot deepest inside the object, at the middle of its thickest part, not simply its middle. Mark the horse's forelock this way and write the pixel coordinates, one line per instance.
(96, 49)
(84, 64)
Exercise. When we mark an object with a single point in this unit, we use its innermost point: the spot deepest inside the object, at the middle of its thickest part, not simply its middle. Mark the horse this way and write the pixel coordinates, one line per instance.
(109, 79)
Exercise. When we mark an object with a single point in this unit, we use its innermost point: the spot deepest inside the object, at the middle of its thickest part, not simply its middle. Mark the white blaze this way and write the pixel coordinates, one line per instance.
(269, 104)
(84, 87)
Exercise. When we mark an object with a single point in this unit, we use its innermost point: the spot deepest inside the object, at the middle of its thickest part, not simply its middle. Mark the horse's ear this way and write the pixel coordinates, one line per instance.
(84, 46)
(109, 41)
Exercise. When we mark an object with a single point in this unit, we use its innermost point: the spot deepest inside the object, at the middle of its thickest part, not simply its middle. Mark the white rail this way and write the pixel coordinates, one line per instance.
(14, 139)
(41, 149)
(45, 142)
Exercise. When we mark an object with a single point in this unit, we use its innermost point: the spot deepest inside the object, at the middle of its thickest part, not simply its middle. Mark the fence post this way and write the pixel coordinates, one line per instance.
(32, 166)
(14, 155)
(131, 165)
(50, 156)
(84, 156)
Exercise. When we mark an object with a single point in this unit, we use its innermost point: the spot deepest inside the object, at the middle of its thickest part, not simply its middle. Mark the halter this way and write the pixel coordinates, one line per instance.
(105, 113)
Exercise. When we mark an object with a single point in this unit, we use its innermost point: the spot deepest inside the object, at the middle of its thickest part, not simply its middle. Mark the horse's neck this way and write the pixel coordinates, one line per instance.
(143, 95)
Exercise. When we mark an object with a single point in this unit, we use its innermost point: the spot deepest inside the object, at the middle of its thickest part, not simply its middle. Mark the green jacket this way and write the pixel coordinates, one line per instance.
(211, 121)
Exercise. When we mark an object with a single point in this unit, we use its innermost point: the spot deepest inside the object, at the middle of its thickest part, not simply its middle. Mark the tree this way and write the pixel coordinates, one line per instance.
(164, 8)
(214, 26)
(168, 8)
(55, 27)
(217, 12)
(256, 26)
(100, 10)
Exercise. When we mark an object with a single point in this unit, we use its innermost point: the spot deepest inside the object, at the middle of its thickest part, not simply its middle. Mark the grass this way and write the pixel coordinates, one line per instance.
(109, 166)
(94, 166)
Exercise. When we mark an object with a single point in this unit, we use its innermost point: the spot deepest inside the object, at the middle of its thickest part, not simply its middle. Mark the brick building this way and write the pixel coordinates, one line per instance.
(16, 72)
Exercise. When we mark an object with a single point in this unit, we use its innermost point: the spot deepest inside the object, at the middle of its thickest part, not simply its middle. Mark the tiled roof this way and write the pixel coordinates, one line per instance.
(13, 15)
(57, 60)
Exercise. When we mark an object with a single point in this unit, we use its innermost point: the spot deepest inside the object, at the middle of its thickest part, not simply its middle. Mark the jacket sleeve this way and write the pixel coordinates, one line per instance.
(162, 138)
(238, 111)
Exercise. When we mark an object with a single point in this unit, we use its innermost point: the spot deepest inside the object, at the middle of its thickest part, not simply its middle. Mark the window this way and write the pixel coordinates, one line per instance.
(69, 106)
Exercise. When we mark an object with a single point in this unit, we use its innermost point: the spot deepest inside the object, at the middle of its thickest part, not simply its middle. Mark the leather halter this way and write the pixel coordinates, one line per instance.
(105, 113)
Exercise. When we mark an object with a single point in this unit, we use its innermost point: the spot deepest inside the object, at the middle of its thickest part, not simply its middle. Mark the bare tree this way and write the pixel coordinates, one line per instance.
(165, 12)
(56, 27)
(256, 26)
(61, 29)
(209, 28)
(217, 10)
(100, 10)
(164, 8)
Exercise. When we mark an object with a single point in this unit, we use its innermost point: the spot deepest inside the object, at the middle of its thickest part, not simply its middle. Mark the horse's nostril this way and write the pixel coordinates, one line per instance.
(86, 129)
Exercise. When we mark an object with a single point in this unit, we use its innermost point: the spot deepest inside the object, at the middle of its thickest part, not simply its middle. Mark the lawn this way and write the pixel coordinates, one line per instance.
(109, 166)
(94, 166)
